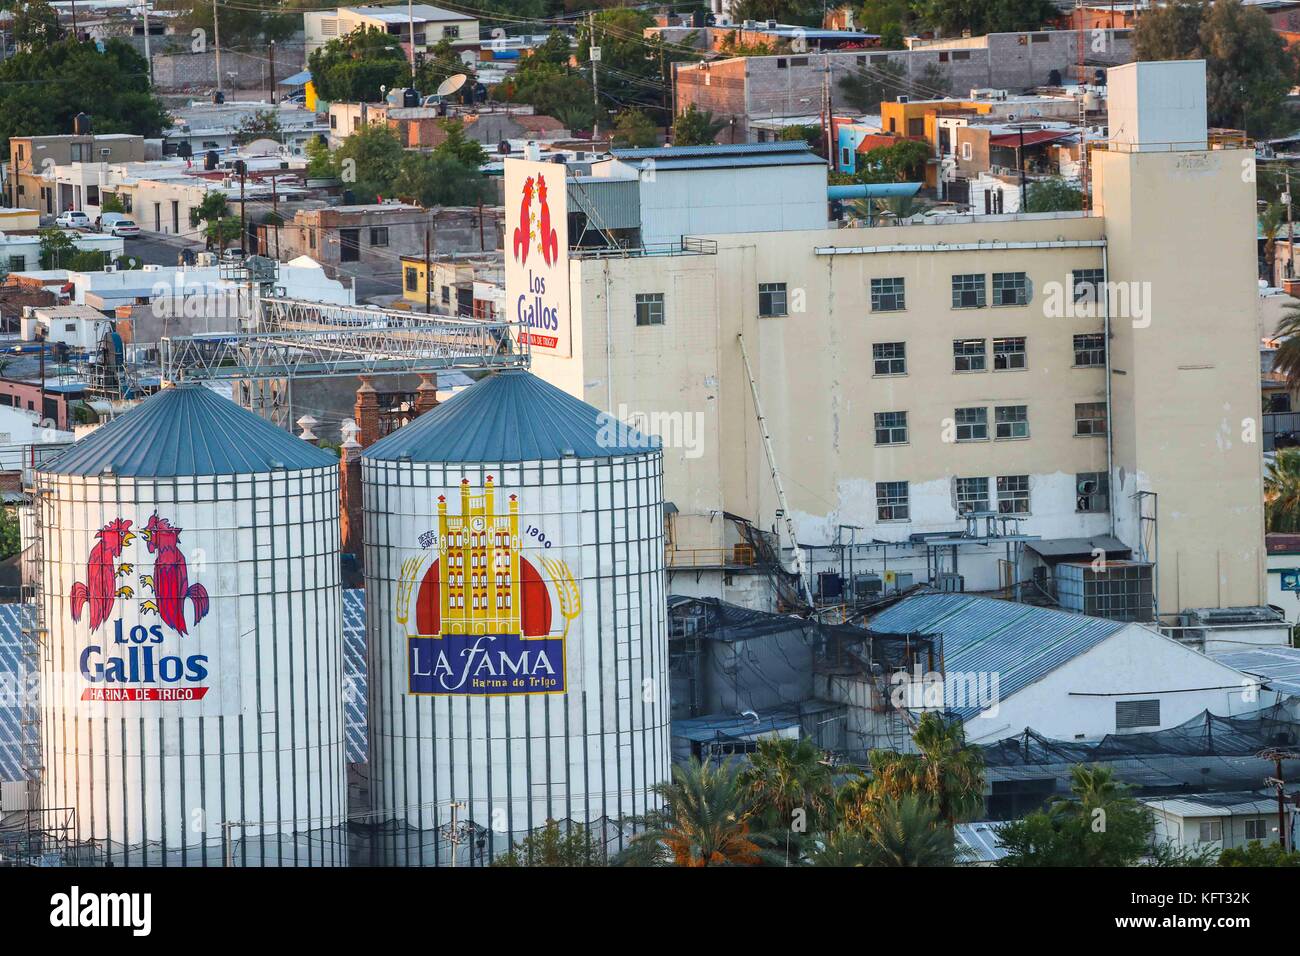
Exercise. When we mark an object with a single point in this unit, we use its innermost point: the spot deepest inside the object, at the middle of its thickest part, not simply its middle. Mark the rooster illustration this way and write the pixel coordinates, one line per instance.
(170, 580)
(523, 232)
(100, 590)
(550, 241)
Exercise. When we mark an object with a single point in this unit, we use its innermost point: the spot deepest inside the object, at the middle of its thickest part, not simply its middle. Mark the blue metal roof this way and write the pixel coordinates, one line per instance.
(188, 430)
(354, 675)
(1277, 664)
(12, 679)
(511, 415)
(724, 156)
(1018, 642)
(713, 727)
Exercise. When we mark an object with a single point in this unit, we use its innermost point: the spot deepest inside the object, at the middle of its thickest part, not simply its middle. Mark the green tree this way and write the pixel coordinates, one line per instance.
(112, 203)
(1052, 195)
(951, 17)
(43, 88)
(440, 62)
(56, 247)
(867, 87)
(263, 124)
(634, 129)
(1100, 826)
(945, 770)
(368, 161)
(433, 179)
(219, 226)
(353, 68)
(1270, 223)
(574, 846)
(1169, 31)
(247, 23)
(907, 831)
(459, 147)
(792, 788)
(878, 16)
(10, 535)
(1255, 853)
(633, 68)
(696, 127)
(900, 162)
(806, 13)
(35, 25)
(843, 846)
(552, 91)
(705, 821)
(1282, 480)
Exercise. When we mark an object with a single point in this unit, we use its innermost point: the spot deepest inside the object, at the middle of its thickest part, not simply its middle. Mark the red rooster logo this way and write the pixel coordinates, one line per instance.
(100, 590)
(524, 231)
(170, 579)
(550, 241)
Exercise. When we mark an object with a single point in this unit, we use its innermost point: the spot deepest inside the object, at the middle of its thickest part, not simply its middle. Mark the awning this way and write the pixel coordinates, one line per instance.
(1032, 138)
(298, 79)
(1053, 550)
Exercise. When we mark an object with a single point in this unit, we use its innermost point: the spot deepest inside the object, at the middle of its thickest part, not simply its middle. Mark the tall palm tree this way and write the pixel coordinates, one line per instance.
(906, 831)
(787, 776)
(1270, 223)
(945, 770)
(1287, 357)
(1282, 492)
(705, 820)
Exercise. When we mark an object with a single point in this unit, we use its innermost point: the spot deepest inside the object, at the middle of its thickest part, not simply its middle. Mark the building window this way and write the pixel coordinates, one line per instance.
(891, 501)
(92, 195)
(1009, 353)
(1090, 350)
(887, 295)
(334, 121)
(17, 263)
(1010, 288)
(966, 151)
(972, 423)
(412, 279)
(451, 32)
(771, 299)
(1090, 418)
(1092, 491)
(379, 236)
(1013, 494)
(446, 295)
(968, 355)
(891, 428)
(1088, 284)
(890, 358)
(1210, 831)
(650, 308)
(1011, 421)
(126, 201)
(972, 495)
(968, 291)
(1257, 829)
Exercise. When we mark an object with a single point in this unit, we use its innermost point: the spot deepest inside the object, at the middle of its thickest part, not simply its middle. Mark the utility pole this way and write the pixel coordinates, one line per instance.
(1020, 161)
(1281, 798)
(428, 304)
(410, 22)
(593, 53)
(455, 831)
(243, 207)
(1290, 231)
(830, 119)
(216, 41)
(147, 57)
(271, 52)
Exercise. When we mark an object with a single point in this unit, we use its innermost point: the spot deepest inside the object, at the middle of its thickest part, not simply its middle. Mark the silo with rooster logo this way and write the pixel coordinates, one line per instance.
(516, 623)
(191, 693)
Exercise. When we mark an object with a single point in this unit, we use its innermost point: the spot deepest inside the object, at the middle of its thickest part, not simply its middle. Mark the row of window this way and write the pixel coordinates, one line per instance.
(971, 355)
(893, 501)
(1009, 422)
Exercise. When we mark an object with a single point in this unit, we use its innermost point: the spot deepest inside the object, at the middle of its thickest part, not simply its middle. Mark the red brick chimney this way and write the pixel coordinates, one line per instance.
(350, 513)
(426, 396)
(367, 413)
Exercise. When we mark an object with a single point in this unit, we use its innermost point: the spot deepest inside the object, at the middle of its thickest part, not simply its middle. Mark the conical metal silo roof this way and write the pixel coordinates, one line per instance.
(187, 430)
(512, 415)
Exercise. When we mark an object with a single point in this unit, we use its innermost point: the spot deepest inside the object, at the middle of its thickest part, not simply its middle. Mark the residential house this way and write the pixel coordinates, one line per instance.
(431, 25)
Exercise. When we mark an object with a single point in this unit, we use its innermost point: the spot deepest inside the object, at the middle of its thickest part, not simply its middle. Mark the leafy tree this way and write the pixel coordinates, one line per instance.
(1282, 480)
(907, 831)
(43, 88)
(10, 536)
(733, 45)
(634, 129)
(459, 147)
(368, 161)
(440, 62)
(843, 846)
(353, 68)
(220, 227)
(56, 247)
(878, 16)
(867, 87)
(1255, 853)
(1052, 195)
(705, 821)
(551, 846)
(320, 161)
(799, 12)
(1248, 68)
(633, 68)
(951, 17)
(1100, 826)
(945, 770)
(35, 25)
(696, 127)
(263, 124)
(791, 786)
(433, 179)
(112, 203)
(552, 91)
(1270, 224)
(248, 23)
(813, 135)
(900, 162)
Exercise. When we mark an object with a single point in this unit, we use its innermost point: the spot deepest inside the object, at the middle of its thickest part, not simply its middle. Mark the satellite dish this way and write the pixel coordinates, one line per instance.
(451, 84)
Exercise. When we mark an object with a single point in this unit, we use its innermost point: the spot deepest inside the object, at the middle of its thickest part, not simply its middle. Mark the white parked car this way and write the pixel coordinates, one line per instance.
(72, 219)
(116, 224)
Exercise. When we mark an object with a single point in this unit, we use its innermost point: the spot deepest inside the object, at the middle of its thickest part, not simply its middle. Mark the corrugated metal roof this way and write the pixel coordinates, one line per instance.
(1018, 642)
(188, 430)
(715, 727)
(354, 675)
(608, 203)
(979, 842)
(1278, 665)
(791, 153)
(1233, 804)
(12, 672)
(512, 415)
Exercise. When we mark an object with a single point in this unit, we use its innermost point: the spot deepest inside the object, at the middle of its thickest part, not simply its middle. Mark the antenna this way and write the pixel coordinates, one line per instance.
(451, 84)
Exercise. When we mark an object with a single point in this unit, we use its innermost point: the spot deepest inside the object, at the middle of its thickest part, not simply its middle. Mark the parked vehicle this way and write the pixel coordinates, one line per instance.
(116, 224)
(72, 219)
(1285, 440)
(233, 254)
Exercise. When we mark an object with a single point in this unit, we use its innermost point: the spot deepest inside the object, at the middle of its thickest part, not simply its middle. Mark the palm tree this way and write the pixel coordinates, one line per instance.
(1270, 223)
(843, 846)
(1093, 787)
(786, 776)
(906, 831)
(705, 820)
(696, 127)
(945, 769)
(1282, 491)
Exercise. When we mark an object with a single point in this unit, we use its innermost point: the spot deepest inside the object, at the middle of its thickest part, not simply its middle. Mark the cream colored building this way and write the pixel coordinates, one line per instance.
(910, 373)
(431, 25)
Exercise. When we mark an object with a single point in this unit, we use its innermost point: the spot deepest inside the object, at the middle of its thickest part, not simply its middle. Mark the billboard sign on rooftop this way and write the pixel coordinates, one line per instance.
(537, 254)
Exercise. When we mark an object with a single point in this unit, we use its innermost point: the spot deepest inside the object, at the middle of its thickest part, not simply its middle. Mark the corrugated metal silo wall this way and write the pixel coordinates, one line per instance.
(514, 756)
(188, 738)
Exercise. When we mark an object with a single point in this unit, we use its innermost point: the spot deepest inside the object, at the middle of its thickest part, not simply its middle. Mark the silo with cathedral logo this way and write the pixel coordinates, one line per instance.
(516, 623)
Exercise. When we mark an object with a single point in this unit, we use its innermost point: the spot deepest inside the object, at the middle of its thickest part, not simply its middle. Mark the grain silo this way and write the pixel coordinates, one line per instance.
(516, 621)
(191, 691)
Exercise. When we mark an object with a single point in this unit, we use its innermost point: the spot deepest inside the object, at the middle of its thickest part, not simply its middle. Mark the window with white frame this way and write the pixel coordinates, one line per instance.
(891, 428)
(1210, 831)
(649, 308)
(1011, 421)
(771, 299)
(1090, 350)
(1013, 494)
(891, 501)
(1090, 418)
(1010, 288)
(972, 494)
(889, 358)
(1009, 353)
(1257, 829)
(887, 295)
(968, 291)
(968, 355)
(972, 423)
(1087, 284)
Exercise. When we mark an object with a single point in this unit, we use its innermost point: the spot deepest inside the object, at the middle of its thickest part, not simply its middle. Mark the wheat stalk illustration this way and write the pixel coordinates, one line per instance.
(566, 588)
(405, 584)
